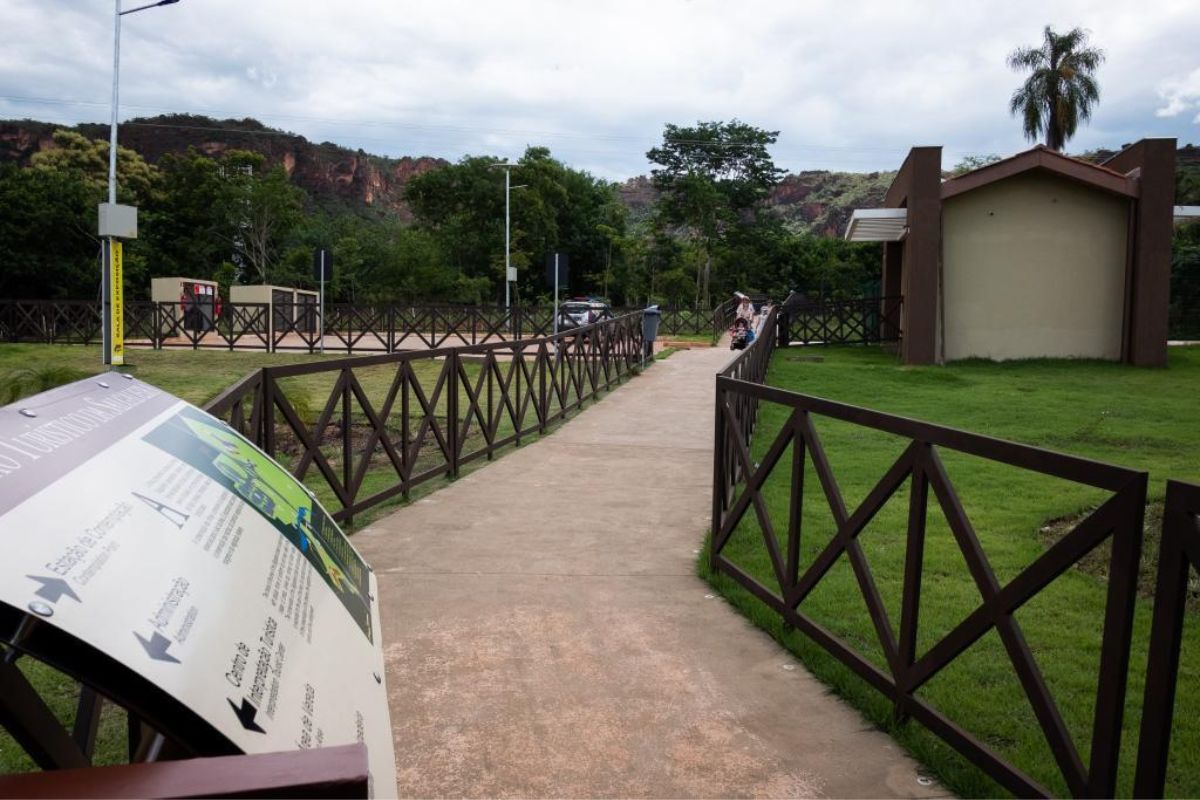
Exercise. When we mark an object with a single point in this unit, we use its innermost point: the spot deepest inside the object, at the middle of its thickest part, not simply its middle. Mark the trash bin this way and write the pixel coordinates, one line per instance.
(650, 319)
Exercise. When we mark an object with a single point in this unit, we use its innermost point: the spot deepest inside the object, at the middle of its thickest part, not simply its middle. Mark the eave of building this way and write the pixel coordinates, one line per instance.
(1042, 158)
(877, 225)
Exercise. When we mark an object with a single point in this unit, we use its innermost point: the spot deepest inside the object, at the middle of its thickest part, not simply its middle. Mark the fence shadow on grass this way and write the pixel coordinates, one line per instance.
(787, 531)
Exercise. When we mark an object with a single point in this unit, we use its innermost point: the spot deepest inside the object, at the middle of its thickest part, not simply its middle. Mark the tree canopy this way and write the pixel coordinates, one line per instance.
(1061, 89)
(714, 177)
(235, 217)
(555, 208)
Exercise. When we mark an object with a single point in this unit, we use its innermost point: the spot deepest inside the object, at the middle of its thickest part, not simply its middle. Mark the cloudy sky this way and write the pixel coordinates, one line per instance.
(849, 85)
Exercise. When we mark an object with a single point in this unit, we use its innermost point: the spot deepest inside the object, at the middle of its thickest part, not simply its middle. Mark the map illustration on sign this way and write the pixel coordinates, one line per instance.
(228, 458)
(156, 536)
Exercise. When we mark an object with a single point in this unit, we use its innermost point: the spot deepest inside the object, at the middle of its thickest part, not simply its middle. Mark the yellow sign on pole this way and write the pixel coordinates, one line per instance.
(116, 284)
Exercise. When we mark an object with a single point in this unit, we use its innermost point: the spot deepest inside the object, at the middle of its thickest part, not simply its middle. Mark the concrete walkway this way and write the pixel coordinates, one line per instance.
(546, 635)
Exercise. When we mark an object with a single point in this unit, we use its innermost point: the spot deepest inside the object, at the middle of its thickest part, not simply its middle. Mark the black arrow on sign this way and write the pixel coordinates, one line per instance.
(156, 647)
(246, 714)
(54, 588)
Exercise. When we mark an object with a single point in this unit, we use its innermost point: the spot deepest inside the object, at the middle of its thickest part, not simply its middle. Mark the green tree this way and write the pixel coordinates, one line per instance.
(1187, 185)
(188, 227)
(1185, 282)
(79, 167)
(87, 159)
(262, 208)
(973, 162)
(462, 206)
(557, 209)
(713, 176)
(48, 243)
(1061, 89)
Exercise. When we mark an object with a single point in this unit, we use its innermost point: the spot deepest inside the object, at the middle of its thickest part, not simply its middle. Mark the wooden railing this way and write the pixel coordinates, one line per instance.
(741, 471)
(855, 320)
(348, 328)
(432, 411)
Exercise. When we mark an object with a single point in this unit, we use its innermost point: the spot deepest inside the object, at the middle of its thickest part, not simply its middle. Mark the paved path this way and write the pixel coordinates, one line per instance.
(546, 635)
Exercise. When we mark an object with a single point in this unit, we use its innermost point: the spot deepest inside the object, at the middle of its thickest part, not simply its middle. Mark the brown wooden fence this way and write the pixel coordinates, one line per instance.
(359, 328)
(430, 411)
(855, 320)
(738, 490)
(1178, 555)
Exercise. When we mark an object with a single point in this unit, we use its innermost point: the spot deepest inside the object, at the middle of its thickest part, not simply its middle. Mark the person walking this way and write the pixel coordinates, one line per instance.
(745, 310)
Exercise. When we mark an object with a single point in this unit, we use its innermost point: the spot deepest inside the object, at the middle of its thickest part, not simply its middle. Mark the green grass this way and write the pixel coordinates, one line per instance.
(198, 376)
(194, 375)
(700, 338)
(665, 353)
(1139, 418)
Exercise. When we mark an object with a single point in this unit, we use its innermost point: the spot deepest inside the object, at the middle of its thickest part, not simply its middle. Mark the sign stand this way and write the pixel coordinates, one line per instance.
(115, 222)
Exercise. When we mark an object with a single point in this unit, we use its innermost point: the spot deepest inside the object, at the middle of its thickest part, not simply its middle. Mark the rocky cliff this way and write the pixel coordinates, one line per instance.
(330, 174)
(816, 201)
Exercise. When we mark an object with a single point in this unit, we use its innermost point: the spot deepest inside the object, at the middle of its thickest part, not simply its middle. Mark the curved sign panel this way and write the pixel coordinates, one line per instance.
(157, 535)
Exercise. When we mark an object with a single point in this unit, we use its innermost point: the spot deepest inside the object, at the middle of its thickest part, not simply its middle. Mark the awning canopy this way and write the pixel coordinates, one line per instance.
(1187, 214)
(877, 225)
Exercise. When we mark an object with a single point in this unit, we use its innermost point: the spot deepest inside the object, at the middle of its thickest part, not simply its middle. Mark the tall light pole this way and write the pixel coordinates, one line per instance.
(114, 220)
(508, 187)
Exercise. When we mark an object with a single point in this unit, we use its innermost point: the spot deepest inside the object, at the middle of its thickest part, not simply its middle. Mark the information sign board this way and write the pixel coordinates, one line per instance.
(156, 534)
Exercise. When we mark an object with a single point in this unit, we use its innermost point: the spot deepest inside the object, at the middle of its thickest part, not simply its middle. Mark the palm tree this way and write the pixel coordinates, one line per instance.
(1062, 88)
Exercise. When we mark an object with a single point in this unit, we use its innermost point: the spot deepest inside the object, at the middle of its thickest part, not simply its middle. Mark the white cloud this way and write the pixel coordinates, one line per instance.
(1180, 95)
(848, 85)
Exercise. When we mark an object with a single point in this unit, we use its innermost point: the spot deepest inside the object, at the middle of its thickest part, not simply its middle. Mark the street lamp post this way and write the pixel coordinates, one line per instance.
(111, 218)
(508, 187)
(507, 235)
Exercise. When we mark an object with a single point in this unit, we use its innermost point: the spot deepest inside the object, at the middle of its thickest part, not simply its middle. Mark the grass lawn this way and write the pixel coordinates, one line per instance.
(195, 375)
(1144, 419)
(198, 376)
(699, 338)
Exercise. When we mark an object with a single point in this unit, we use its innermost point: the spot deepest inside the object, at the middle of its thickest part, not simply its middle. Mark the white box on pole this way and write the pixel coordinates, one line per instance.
(118, 220)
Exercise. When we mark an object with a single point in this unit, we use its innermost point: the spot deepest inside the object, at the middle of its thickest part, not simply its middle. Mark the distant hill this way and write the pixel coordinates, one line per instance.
(331, 174)
(815, 201)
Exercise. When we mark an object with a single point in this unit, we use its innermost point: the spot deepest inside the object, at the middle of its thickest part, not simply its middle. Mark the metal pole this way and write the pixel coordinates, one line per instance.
(507, 257)
(556, 294)
(106, 271)
(112, 134)
(322, 314)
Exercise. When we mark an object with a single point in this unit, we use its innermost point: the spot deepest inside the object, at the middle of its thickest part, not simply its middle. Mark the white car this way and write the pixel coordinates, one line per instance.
(578, 313)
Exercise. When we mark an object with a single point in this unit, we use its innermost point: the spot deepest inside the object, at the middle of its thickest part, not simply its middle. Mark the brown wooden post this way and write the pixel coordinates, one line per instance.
(452, 413)
(348, 434)
(268, 412)
(1166, 635)
(889, 323)
(1151, 232)
(718, 493)
(920, 185)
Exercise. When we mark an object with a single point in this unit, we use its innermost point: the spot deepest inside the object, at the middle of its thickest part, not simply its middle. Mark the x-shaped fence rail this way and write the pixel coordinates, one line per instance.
(442, 407)
(796, 450)
(284, 326)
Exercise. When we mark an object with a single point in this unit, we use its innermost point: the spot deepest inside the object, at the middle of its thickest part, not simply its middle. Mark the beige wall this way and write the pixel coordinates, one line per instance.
(1033, 266)
(168, 290)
